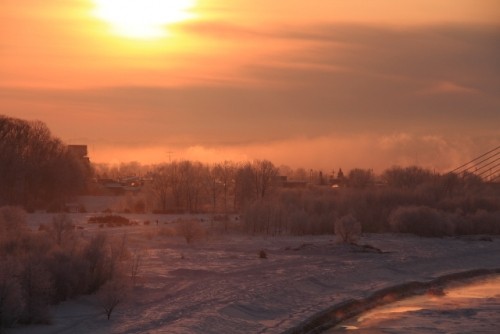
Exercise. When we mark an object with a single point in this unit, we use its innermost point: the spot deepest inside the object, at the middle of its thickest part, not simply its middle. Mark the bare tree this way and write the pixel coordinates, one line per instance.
(160, 186)
(61, 228)
(111, 294)
(176, 176)
(136, 260)
(264, 173)
(226, 172)
(409, 177)
(360, 178)
(213, 184)
(244, 190)
(192, 183)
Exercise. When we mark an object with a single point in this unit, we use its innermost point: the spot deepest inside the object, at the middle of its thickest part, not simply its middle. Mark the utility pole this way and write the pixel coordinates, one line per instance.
(169, 156)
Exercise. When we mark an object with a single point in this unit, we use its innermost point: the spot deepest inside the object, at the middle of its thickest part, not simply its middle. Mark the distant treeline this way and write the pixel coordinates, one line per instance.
(36, 169)
(442, 206)
(407, 200)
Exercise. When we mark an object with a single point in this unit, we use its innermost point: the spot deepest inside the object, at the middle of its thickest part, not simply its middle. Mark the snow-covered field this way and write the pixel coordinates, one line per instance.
(220, 285)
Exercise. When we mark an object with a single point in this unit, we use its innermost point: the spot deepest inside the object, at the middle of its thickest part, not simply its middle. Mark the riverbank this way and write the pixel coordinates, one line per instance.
(334, 315)
(470, 306)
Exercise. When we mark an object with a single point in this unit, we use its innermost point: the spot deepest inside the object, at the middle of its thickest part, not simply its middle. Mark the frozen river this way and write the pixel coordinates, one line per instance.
(472, 308)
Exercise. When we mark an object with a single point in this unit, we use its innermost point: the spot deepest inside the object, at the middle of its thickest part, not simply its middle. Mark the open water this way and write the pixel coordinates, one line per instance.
(471, 308)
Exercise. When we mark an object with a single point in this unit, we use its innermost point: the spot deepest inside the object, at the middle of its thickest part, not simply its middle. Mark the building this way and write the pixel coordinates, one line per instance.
(79, 151)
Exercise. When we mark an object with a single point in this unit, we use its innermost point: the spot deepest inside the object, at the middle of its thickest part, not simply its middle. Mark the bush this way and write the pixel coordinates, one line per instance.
(13, 230)
(262, 254)
(422, 221)
(61, 228)
(37, 270)
(11, 301)
(67, 270)
(110, 220)
(190, 230)
(55, 207)
(486, 222)
(36, 284)
(100, 262)
(348, 229)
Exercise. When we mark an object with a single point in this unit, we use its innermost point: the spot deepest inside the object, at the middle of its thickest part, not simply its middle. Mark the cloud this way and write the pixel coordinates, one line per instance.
(334, 88)
(377, 152)
(447, 87)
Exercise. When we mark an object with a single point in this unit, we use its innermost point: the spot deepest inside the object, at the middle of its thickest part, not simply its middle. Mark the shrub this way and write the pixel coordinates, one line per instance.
(422, 221)
(11, 301)
(61, 228)
(265, 217)
(96, 255)
(298, 222)
(37, 270)
(262, 254)
(67, 271)
(486, 222)
(55, 207)
(348, 229)
(13, 230)
(110, 220)
(189, 229)
(36, 287)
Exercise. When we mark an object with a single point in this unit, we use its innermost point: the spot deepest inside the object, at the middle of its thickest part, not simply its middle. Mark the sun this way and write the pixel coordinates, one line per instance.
(143, 19)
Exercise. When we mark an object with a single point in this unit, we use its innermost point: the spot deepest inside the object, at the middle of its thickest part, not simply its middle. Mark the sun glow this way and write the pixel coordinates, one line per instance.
(143, 19)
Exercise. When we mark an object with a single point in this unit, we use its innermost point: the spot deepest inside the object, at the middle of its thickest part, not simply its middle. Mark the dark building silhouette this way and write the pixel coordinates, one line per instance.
(79, 151)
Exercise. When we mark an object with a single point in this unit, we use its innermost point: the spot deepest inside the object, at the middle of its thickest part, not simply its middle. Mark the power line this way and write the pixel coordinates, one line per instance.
(496, 175)
(486, 165)
(482, 166)
(489, 170)
(475, 159)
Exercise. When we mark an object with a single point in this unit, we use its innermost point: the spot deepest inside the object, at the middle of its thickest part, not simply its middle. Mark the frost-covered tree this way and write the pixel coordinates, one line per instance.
(189, 229)
(348, 229)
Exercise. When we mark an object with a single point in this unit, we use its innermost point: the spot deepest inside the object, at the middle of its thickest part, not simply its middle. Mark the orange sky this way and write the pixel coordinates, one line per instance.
(321, 84)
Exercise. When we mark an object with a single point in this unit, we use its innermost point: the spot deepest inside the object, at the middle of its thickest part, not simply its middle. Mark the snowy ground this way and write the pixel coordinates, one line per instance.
(220, 285)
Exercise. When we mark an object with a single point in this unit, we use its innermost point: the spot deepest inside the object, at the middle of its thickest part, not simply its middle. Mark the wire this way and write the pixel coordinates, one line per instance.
(475, 159)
